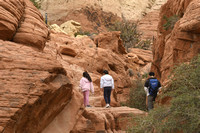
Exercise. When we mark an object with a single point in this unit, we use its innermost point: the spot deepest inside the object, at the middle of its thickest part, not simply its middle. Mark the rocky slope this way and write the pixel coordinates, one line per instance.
(149, 23)
(39, 77)
(129, 9)
(181, 43)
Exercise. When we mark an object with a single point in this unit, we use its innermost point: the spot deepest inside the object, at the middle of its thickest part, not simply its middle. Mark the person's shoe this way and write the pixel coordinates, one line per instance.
(88, 106)
(107, 106)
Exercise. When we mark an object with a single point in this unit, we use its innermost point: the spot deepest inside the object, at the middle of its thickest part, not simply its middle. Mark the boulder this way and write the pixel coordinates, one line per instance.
(34, 88)
(21, 22)
(112, 120)
(71, 27)
(111, 41)
(56, 28)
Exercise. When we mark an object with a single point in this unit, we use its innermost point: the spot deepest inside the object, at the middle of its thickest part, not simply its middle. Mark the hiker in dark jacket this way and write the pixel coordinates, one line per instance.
(151, 87)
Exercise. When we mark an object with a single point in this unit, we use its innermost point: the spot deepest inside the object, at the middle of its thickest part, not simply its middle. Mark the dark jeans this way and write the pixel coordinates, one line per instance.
(107, 93)
(151, 100)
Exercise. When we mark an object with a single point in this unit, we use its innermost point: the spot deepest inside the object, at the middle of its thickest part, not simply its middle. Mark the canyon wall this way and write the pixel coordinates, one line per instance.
(40, 73)
(180, 42)
(129, 9)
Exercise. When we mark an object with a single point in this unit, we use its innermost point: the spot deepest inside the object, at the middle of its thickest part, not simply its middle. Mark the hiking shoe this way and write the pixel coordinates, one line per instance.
(107, 106)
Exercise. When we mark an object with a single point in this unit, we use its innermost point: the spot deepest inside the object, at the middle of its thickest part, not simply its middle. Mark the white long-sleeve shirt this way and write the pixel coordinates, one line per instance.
(106, 81)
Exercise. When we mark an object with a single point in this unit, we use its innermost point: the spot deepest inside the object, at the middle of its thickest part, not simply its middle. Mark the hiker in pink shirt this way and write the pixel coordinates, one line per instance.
(86, 86)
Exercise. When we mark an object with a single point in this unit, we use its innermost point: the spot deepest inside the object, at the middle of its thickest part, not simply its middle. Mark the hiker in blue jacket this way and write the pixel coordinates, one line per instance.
(151, 87)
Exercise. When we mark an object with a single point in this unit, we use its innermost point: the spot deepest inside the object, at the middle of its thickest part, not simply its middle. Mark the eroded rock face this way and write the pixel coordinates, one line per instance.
(34, 88)
(39, 89)
(21, 22)
(179, 44)
(112, 120)
(88, 57)
(148, 24)
(129, 9)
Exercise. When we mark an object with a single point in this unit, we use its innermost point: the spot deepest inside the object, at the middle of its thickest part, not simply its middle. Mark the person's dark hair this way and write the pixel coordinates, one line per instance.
(105, 71)
(87, 76)
(151, 74)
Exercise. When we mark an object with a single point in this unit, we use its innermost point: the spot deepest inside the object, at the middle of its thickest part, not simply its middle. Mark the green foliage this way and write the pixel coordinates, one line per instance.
(144, 44)
(137, 96)
(170, 22)
(36, 4)
(130, 72)
(81, 32)
(129, 33)
(183, 114)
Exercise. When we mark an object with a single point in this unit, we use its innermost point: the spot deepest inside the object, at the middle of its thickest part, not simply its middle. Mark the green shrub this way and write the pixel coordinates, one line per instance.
(183, 114)
(170, 22)
(144, 44)
(81, 32)
(130, 72)
(36, 4)
(137, 96)
(129, 33)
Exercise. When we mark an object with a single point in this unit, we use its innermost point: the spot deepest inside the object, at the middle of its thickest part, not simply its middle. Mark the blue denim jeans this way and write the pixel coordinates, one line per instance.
(107, 93)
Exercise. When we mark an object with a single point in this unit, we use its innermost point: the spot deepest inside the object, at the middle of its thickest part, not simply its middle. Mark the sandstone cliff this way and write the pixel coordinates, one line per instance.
(21, 22)
(179, 43)
(148, 24)
(129, 9)
(39, 77)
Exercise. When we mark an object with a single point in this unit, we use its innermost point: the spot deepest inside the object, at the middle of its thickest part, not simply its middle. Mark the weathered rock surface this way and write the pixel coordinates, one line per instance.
(93, 59)
(148, 24)
(179, 44)
(34, 88)
(129, 9)
(111, 120)
(39, 88)
(21, 22)
(71, 27)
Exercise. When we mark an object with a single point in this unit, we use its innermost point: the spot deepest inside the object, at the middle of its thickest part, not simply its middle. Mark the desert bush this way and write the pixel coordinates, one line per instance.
(130, 72)
(137, 96)
(170, 22)
(182, 115)
(81, 32)
(36, 4)
(129, 33)
(144, 44)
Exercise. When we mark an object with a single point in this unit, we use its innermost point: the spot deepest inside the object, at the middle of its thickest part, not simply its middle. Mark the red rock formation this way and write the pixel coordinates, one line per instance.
(113, 120)
(91, 19)
(21, 22)
(36, 91)
(111, 41)
(148, 25)
(179, 44)
(34, 88)
(108, 55)
(39, 89)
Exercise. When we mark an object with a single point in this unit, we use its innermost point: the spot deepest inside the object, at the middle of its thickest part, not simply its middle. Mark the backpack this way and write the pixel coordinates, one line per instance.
(153, 86)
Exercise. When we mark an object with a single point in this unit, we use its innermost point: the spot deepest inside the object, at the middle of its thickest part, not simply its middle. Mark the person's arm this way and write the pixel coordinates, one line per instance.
(113, 86)
(101, 83)
(81, 84)
(146, 85)
(92, 87)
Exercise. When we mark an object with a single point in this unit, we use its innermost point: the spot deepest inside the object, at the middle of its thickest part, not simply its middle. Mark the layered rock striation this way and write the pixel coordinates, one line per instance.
(180, 42)
(34, 88)
(21, 22)
(39, 80)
